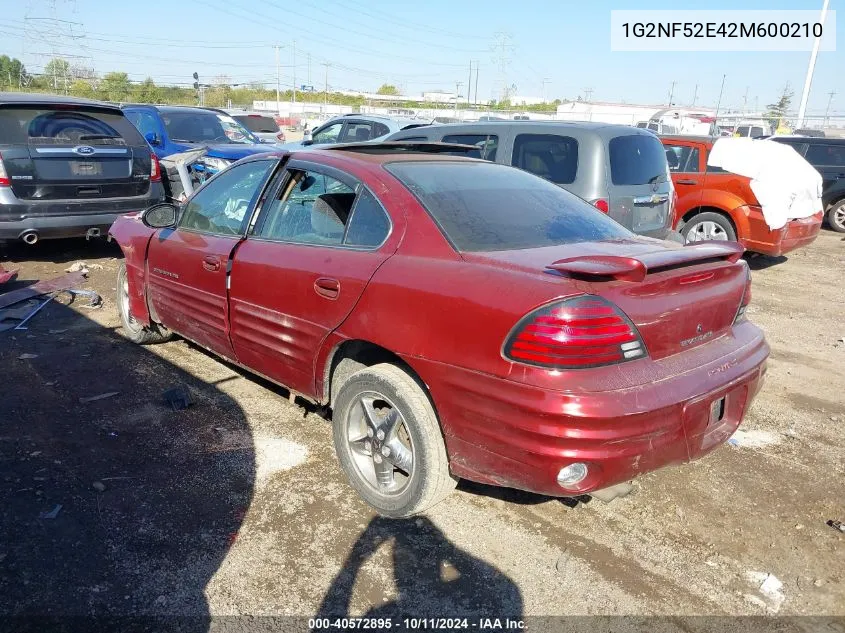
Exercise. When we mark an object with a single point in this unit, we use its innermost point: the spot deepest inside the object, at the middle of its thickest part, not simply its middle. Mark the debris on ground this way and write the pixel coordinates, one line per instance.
(7, 275)
(753, 439)
(178, 398)
(27, 356)
(101, 396)
(32, 313)
(770, 587)
(52, 514)
(82, 267)
(99, 486)
(41, 288)
(836, 525)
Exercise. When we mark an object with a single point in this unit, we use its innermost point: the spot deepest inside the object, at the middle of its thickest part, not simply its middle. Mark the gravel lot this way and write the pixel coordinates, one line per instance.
(237, 505)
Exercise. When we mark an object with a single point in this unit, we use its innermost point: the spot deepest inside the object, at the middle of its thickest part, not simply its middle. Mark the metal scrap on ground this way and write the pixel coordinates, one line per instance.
(43, 287)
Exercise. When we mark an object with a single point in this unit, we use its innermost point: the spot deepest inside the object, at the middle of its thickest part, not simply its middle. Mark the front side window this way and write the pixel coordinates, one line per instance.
(220, 206)
(486, 143)
(549, 156)
(483, 206)
(328, 134)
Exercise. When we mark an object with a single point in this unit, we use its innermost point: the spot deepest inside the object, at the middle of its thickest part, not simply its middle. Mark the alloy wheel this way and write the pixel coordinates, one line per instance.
(706, 230)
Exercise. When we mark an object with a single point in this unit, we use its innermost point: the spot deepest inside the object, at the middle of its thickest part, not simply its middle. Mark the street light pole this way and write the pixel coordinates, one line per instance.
(805, 95)
(719, 102)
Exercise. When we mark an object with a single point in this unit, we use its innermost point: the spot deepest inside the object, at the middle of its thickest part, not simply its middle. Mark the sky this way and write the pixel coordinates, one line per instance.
(558, 48)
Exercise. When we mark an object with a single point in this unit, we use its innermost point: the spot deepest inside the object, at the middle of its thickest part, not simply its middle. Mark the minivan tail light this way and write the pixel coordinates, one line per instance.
(155, 169)
(4, 177)
(601, 204)
(586, 331)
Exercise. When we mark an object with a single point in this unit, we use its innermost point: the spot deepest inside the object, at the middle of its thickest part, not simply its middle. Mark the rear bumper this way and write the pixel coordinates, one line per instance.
(795, 234)
(67, 218)
(512, 434)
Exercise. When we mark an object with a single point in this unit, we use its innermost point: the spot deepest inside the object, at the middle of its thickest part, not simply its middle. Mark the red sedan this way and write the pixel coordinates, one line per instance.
(460, 318)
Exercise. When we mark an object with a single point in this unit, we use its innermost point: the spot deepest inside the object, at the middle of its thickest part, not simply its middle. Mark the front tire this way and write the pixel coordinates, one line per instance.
(836, 216)
(134, 330)
(388, 441)
(708, 226)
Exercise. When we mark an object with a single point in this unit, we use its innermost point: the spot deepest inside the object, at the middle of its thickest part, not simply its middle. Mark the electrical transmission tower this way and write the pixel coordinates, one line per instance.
(52, 33)
(502, 48)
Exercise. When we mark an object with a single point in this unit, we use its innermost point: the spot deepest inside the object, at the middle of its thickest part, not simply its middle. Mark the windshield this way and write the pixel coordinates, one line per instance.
(206, 127)
(483, 206)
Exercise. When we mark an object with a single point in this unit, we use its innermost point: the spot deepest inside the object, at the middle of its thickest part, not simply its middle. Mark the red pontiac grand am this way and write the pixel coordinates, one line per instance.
(460, 318)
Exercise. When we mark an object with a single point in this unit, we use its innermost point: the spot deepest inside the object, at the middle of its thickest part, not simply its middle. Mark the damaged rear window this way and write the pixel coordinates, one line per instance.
(257, 122)
(205, 127)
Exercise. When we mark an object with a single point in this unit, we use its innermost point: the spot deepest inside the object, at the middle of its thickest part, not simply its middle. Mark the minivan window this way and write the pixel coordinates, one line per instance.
(828, 154)
(483, 206)
(636, 159)
(42, 125)
(486, 143)
(549, 156)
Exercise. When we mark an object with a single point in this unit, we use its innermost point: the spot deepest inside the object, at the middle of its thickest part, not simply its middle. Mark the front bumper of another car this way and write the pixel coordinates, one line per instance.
(774, 242)
(513, 434)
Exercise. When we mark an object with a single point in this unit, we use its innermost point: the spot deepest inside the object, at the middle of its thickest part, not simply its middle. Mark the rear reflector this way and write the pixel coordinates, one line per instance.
(155, 169)
(4, 177)
(586, 331)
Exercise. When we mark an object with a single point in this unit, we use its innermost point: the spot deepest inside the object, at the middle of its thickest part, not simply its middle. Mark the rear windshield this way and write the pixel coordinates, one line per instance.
(637, 159)
(66, 126)
(257, 122)
(192, 126)
(483, 206)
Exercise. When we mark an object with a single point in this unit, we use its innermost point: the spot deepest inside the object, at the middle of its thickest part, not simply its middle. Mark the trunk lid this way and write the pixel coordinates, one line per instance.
(679, 297)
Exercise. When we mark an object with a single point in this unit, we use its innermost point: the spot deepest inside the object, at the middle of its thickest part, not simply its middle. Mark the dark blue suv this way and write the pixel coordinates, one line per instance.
(174, 129)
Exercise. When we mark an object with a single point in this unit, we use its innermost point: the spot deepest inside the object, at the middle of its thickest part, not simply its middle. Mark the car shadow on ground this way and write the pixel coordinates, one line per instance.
(118, 505)
(60, 251)
(761, 262)
(433, 577)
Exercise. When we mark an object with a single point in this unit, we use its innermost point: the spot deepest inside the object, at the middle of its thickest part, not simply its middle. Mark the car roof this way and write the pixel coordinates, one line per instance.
(368, 153)
(25, 98)
(170, 108)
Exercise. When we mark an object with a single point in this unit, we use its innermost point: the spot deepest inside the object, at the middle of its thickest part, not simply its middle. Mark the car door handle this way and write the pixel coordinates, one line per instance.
(686, 181)
(211, 263)
(326, 287)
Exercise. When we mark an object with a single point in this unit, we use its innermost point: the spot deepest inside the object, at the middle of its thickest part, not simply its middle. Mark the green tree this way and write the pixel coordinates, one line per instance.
(83, 88)
(388, 89)
(12, 73)
(57, 73)
(779, 108)
(147, 92)
(115, 86)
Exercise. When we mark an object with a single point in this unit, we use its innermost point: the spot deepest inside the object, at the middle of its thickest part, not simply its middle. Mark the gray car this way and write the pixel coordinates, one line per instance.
(356, 128)
(619, 169)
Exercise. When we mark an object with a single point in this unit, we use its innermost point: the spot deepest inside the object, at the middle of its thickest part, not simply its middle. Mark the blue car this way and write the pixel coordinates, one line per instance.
(173, 129)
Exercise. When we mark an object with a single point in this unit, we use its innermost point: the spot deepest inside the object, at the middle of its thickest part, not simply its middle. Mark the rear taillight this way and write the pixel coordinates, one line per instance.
(281, 136)
(586, 331)
(155, 169)
(4, 177)
(746, 298)
(601, 204)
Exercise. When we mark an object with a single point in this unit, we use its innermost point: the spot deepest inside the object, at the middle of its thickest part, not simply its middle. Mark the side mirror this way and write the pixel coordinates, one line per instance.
(152, 138)
(160, 216)
(306, 142)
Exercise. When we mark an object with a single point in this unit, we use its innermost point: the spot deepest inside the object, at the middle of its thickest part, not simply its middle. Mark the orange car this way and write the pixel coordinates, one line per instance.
(714, 204)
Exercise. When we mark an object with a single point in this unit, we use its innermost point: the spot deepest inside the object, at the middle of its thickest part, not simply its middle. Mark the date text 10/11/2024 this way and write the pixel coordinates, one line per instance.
(421, 624)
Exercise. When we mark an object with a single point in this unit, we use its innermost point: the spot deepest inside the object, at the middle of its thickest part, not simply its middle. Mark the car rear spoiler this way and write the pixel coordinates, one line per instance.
(636, 268)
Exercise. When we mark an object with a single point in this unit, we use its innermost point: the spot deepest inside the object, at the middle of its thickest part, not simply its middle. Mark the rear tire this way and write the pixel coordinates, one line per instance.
(134, 330)
(708, 226)
(836, 216)
(389, 443)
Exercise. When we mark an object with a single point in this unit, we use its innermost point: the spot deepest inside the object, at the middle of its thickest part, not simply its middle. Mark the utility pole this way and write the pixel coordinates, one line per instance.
(546, 80)
(475, 100)
(805, 95)
(469, 82)
(278, 83)
(671, 93)
(294, 71)
(309, 69)
(326, 88)
(744, 101)
(827, 109)
(695, 94)
(719, 102)
(458, 85)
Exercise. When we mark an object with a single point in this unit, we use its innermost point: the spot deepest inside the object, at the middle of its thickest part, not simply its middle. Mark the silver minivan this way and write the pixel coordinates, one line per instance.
(619, 169)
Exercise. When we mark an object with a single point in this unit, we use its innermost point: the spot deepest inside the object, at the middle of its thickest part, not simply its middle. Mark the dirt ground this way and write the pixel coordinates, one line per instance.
(237, 505)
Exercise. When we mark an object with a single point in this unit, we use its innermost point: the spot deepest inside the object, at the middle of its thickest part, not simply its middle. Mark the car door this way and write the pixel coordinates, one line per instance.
(685, 166)
(318, 240)
(187, 265)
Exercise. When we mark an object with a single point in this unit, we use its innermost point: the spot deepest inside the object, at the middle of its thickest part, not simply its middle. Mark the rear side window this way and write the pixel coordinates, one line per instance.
(826, 154)
(76, 126)
(487, 144)
(549, 156)
(637, 159)
(483, 206)
(682, 158)
(369, 225)
(257, 122)
(380, 129)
